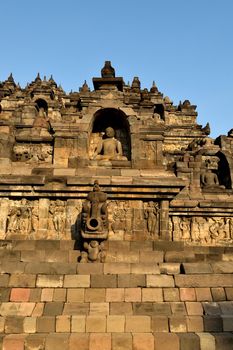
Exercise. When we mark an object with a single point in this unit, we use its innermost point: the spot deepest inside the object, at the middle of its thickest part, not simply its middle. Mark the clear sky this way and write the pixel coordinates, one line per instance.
(186, 46)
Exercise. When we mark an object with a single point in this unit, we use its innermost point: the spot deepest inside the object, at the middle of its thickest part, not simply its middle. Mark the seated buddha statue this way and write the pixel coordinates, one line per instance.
(109, 147)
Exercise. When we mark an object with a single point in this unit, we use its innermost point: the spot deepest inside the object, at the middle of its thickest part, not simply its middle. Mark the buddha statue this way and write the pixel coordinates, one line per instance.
(109, 147)
(210, 180)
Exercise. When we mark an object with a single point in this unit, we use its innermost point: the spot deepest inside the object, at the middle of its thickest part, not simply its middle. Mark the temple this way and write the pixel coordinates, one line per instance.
(126, 203)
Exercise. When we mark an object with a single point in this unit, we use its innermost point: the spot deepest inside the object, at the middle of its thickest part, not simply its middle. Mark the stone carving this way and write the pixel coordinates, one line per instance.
(33, 153)
(210, 180)
(94, 214)
(151, 215)
(94, 222)
(202, 230)
(94, 252)
(58, 212)
(22, 217)
(109, 148)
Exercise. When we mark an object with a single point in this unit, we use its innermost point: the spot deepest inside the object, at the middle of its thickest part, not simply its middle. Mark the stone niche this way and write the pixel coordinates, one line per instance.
(164, 176)
(117, 120)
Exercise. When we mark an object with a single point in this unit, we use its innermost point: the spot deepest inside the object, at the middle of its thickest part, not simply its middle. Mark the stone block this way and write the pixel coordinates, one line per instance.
(189, 341)
(226, 307)
(203, 294)
(138, 324)
(5, 294)
(95, 295)
(194, 324)
(229, 293)
(35, 294)
(38, 310)
(99, 308)
(13, 342)
(131, 281)
(179, 257)
(115, 294)
(95, 324)
(82, 339)
(121, 308)
(218, 294)
(29, 325)
(211, 308)
(20, 294)
(153, 257)
(59, 294)
(178, 308)
(115, 323)
(207, 341)
(121, 341)
(227, 323)
(89, 269)
(2, 324)
(45, 324)
(161, 309)
(75, 294)
(133, 294)
(213, 324)
(166, 341)
(47, 294)
(145, 268)
(77, 281)
(49, 281)
(194, 308)
(169, 268)
(143, 341)
(63, 324)
(103, 281)
(171, 294)
(223, 341)
(222, 267)
(187, 294)
(14, 324)
(100, 341)
(38, 255)
(160, 281)
(204, 280)
(16, 309)
(152, 294)
(35, 342)
(4, 280)
(196, 268)
(22, 280)
(53, 308)
(78, 323)
(57, 341)
(159, 324)
(177, 324)
(116, 268)
(76, 309)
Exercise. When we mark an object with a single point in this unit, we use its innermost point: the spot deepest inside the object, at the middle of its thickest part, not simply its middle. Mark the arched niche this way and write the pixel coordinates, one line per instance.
(115, 118)
(41, 105)
(225, 170)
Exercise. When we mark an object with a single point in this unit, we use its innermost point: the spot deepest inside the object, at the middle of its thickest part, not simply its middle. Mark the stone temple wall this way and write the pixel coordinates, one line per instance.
(116, 220)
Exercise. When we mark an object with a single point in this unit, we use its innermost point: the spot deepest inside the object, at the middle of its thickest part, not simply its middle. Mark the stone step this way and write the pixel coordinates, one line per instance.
(64, 252)
(114, 323)
(118, 341)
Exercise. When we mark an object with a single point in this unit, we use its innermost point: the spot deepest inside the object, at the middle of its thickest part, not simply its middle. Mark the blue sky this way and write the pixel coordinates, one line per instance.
(185, 46)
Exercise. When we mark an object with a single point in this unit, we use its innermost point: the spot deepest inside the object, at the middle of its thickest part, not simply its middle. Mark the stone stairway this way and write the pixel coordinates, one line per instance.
(147, 295)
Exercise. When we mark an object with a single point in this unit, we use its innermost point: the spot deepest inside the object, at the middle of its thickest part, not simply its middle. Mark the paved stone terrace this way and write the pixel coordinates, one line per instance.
(147, 295)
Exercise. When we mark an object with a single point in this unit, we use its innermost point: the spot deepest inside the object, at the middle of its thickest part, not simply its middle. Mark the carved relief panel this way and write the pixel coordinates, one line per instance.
(201, 230)
(33, 152)
(39, 219)
(130, 218)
